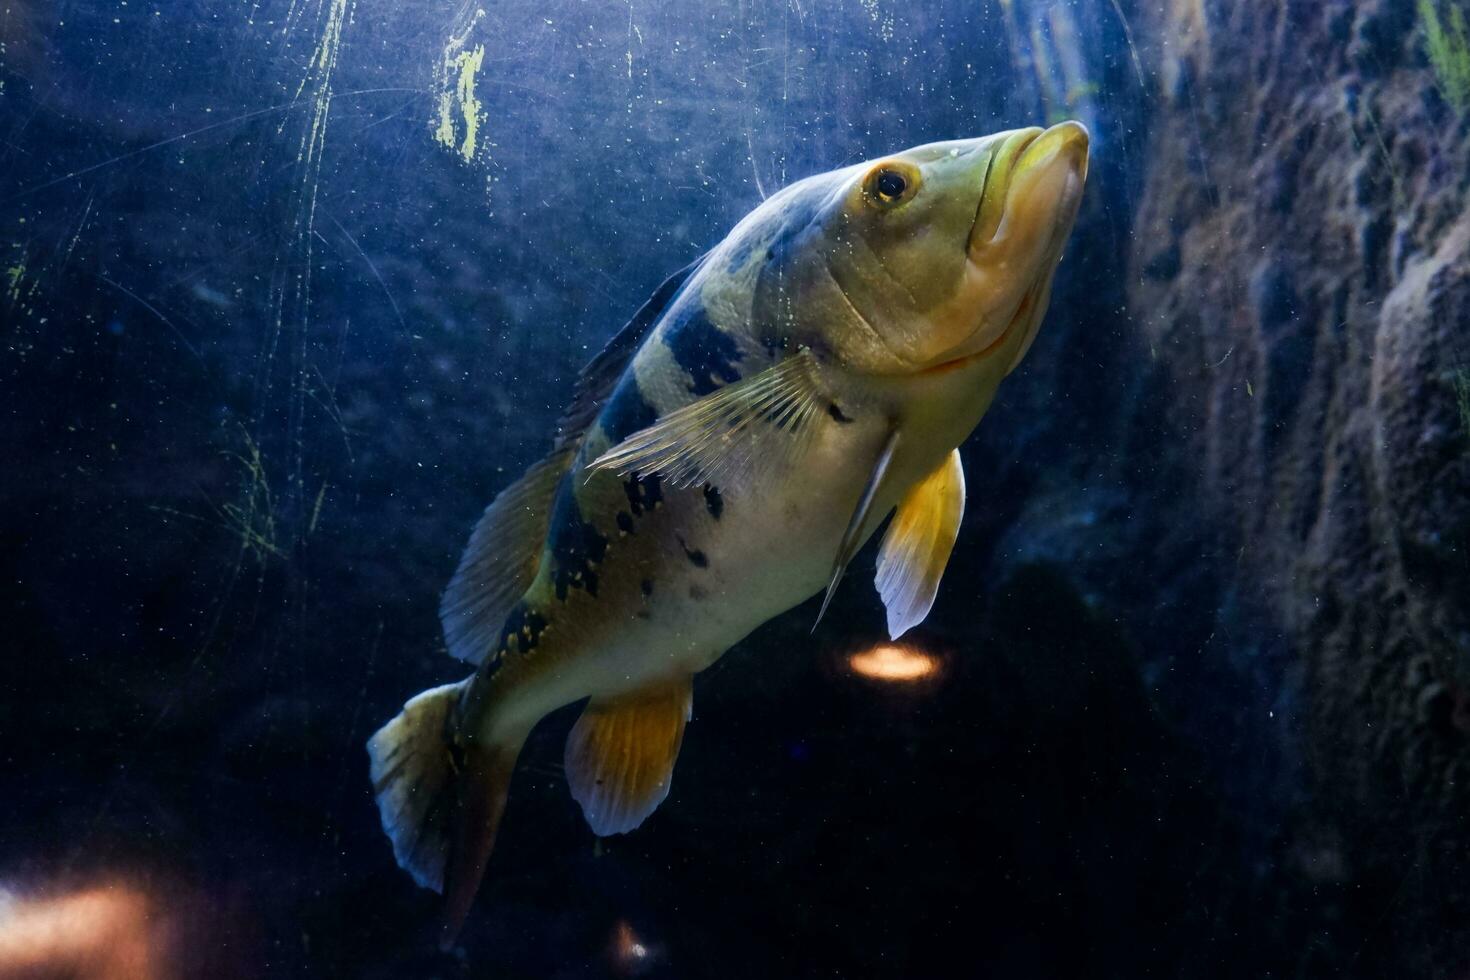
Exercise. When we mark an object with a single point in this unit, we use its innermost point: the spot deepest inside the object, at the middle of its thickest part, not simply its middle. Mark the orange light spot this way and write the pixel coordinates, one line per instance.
(894, 663)
(98, 933)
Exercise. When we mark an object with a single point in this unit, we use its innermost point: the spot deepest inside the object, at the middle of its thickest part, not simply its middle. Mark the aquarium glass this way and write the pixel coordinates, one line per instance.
(291, 290)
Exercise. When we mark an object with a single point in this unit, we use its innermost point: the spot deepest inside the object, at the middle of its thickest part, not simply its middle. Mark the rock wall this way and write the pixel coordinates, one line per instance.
(1301, 271)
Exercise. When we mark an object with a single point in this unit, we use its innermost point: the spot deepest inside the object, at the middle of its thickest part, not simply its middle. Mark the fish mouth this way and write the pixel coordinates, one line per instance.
(1020, 152)
(1028, 202)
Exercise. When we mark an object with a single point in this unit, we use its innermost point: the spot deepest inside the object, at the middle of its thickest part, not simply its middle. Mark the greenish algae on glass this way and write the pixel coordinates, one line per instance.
(461, 69)
(1461, 381)
(1447, 42)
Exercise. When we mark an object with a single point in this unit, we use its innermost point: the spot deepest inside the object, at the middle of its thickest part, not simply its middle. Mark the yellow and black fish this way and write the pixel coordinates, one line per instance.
(723, 459)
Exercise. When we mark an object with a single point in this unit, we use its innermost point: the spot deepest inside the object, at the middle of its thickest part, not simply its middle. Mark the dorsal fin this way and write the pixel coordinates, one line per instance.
(504, 553)
(501, 560)
(601, 374)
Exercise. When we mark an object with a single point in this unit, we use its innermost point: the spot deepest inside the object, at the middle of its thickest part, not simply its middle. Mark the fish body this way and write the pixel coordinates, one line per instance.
(744, 435)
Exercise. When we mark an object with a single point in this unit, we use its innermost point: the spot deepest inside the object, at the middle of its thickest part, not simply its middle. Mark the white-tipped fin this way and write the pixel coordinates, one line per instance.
(727, 435)
(917, 545)
(620, 754)
(852, 538)
(414, 781)
(501, 561)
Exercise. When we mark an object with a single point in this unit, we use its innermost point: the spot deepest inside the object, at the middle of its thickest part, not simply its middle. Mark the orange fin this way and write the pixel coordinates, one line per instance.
(917, 544)
(620, 754)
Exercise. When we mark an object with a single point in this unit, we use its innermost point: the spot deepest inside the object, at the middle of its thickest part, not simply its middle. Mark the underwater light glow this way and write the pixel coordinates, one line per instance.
(630, 954)
(895, 663)
(96, 933)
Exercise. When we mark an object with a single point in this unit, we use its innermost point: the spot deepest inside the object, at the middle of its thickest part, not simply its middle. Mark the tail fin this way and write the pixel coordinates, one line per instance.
(439, 808)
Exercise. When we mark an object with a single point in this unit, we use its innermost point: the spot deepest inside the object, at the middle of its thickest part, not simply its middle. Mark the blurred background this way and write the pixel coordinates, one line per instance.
(289, 290)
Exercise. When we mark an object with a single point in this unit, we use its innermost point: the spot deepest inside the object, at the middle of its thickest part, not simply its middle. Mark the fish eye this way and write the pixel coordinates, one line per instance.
(889, 185)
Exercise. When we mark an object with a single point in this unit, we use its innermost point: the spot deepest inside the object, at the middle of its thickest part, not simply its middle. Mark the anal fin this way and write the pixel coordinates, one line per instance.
(917, 545)
(620, 754)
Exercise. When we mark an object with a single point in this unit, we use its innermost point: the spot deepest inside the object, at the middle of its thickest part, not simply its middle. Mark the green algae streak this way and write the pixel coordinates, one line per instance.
(463, 68)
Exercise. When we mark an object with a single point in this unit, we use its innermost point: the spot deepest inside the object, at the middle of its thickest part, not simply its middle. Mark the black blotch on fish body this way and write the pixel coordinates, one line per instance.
(837, 413)
(707, 353)
(626, 412)
(740, 255)
(576, 546)
(713, 502)
(646, 586)
(525, 625)
(644, 493)
(799, 226)
(625, 522)
(773, 342)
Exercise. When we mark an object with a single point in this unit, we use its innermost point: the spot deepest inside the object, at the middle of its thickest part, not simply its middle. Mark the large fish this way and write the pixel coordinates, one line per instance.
(723, 459)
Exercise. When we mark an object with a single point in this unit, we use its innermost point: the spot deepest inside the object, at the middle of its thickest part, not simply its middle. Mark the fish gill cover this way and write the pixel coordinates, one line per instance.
(289, 290)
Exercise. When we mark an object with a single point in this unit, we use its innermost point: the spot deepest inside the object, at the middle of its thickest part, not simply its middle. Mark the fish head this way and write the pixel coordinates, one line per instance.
(944, 252)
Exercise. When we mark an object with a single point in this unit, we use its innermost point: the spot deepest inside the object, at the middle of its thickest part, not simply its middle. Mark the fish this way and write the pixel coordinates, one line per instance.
(722, 460)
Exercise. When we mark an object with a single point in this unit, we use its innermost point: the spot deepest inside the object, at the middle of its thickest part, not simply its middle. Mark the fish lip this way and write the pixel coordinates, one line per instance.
(1027, 137)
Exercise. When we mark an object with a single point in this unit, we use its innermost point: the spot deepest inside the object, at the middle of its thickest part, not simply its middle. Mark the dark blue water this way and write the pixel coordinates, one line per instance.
(274, 329)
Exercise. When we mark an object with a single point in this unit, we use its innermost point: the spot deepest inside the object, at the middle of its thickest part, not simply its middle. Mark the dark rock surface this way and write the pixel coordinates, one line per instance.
(1205, 701)
(1312, 333)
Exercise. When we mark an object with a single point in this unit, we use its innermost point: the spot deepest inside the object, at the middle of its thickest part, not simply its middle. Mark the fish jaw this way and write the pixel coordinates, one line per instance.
(1046, 190)
(1035, 181)
(1032, 194)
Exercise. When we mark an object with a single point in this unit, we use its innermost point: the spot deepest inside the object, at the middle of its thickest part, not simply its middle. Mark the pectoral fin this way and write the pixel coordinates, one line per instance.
(724, 436)
(852, 538)
(917, 544)
(620, 754)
